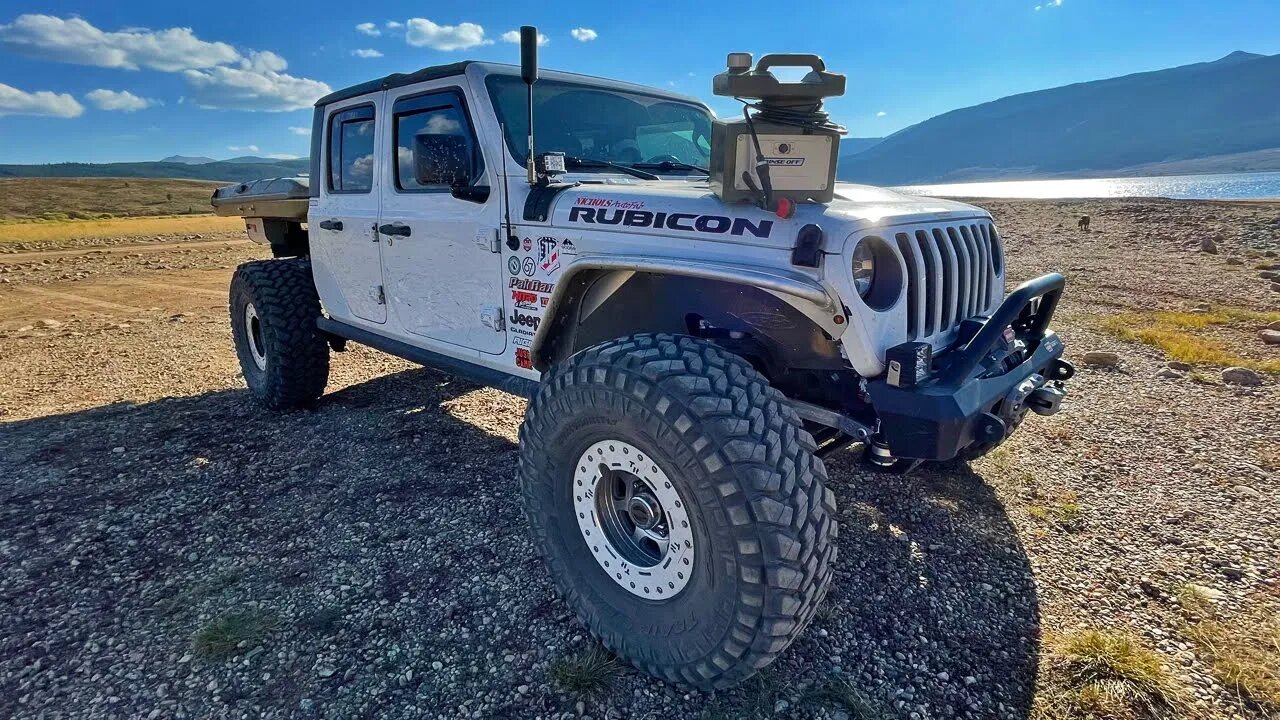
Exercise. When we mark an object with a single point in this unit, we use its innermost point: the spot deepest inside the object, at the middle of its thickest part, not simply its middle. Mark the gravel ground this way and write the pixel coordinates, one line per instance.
(372, 557)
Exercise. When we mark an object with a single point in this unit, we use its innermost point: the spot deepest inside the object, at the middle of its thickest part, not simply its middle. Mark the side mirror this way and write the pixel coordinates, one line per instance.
(442, 160)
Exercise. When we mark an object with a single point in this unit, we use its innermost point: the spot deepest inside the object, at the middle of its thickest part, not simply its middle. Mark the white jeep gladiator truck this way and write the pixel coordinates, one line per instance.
(696, 311)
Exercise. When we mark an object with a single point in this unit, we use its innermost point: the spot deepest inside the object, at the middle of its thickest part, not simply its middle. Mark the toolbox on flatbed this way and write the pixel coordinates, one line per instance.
(270, 198)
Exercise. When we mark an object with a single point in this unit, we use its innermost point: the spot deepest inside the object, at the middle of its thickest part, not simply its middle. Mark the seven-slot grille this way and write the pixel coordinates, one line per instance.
(952, 273)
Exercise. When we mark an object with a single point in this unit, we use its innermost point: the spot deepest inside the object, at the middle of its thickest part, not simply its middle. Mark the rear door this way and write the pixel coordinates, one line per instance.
(441, 263)
(345, 245)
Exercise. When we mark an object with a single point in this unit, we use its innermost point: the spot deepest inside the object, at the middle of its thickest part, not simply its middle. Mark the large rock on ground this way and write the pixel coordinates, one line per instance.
(1241, 376)
(1102, 358)
(1209, 246)
(1270, 337)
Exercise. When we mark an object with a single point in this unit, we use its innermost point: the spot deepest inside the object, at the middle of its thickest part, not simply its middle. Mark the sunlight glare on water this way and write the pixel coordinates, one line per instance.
(1225, 186)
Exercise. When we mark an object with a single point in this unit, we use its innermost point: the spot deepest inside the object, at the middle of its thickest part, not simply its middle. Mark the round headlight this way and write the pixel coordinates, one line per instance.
(864, 269)
(877, 273)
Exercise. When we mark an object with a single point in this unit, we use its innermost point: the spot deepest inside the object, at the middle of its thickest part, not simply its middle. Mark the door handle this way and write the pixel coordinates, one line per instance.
(395, 229)
(331, 225)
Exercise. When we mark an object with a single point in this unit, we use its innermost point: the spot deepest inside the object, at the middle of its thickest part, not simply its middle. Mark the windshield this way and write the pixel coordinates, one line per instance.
(589, 122)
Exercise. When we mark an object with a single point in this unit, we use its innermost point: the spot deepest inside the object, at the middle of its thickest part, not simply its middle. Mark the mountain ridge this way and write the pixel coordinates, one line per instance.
(234, 170)
(1177, 115)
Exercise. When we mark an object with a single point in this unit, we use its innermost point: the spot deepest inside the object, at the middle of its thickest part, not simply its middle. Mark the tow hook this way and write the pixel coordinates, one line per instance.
(1034, 394)
(1046, 400)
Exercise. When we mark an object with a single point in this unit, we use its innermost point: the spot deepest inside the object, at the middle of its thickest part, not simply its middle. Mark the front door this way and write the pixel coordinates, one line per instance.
(442, 274)
(342, 224)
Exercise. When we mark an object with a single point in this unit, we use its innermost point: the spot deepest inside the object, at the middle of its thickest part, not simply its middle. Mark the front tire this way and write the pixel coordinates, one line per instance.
(274, 307)
(731, 523)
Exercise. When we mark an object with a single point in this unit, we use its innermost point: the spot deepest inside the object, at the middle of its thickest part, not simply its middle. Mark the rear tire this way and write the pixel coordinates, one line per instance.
(729, 485)
(274, 308)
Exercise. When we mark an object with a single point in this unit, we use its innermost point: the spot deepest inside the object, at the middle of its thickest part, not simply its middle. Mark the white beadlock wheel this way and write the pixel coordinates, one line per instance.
(628, 440)
(633, 520)
(253, 335)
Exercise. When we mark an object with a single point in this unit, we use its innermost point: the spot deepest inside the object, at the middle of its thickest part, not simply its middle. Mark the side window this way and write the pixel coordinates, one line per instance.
(438, 113)
(351, 150)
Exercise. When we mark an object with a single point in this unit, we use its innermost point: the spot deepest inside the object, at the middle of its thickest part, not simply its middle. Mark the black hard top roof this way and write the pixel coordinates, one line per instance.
(395, 80)
(435, 72)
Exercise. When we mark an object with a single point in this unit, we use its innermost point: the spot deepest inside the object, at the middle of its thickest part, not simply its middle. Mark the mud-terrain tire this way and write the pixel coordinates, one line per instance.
(760, 518)
(274, 307)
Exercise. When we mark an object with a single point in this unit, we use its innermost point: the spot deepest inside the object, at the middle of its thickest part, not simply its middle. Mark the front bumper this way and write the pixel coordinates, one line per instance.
(963, 402)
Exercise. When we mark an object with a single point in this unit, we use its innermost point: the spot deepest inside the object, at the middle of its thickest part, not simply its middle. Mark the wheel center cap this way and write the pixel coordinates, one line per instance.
(644, 512)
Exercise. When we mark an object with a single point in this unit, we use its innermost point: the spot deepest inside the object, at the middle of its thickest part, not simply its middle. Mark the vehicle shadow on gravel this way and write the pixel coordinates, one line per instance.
(934, 608)
(379, 543)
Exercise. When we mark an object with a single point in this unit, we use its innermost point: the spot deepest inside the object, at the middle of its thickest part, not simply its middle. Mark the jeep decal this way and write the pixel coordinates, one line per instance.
(684, 222)
(537, 286)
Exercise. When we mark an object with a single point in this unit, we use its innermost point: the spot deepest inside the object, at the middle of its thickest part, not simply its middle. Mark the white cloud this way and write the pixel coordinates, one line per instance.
(424, 33)
(367, 28)
(1050, 4)
(299, 130)
(43, 102)
(881, 113)
(393, 25)
(366, 53)
(74, 40)
(243, 88)
(582, 34)
(281, 156)
(258, 83)
(265, 61)
(243, 148)
(513, 36)
(219, 75)
(123, 100)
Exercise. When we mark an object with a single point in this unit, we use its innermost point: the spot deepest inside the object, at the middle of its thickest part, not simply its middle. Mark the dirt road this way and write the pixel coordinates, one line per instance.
(169, 550)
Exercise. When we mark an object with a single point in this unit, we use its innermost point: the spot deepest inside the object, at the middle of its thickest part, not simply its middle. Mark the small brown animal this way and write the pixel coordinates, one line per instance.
(1084, 223)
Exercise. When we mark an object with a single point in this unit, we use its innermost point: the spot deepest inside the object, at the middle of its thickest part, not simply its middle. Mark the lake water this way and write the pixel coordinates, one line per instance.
(1227, 186)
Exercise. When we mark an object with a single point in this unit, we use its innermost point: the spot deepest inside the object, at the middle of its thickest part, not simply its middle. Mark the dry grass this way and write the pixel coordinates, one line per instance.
(1092, 674)
(99, 198)
(235, 631)
(1063, 511)
(1244, 657)
(1242, 653)
(1004, 470)
(119, 227)
(840, 693)
(588, 674)
(1181, 335)
(1270, 458)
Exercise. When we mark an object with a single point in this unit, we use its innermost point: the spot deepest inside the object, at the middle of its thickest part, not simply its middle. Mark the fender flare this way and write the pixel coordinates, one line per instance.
(808, 295)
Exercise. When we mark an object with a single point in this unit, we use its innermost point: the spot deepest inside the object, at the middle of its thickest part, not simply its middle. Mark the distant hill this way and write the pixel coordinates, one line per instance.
(222, 170)
(255, 160)
(189, 159)
(1208, 115)
(853, 145)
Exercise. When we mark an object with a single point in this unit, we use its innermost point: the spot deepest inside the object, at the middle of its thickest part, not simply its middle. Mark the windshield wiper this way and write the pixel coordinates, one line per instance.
(670, 165)
(570, 161)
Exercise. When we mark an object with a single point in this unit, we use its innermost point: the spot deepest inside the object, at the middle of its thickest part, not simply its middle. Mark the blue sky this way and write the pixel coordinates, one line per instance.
(142, 79)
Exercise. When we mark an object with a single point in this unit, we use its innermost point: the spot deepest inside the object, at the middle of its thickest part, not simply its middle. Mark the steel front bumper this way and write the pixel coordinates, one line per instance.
(964, 402)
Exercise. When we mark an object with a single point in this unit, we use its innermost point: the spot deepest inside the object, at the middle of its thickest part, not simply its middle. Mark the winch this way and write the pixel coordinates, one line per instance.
(784, 148)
